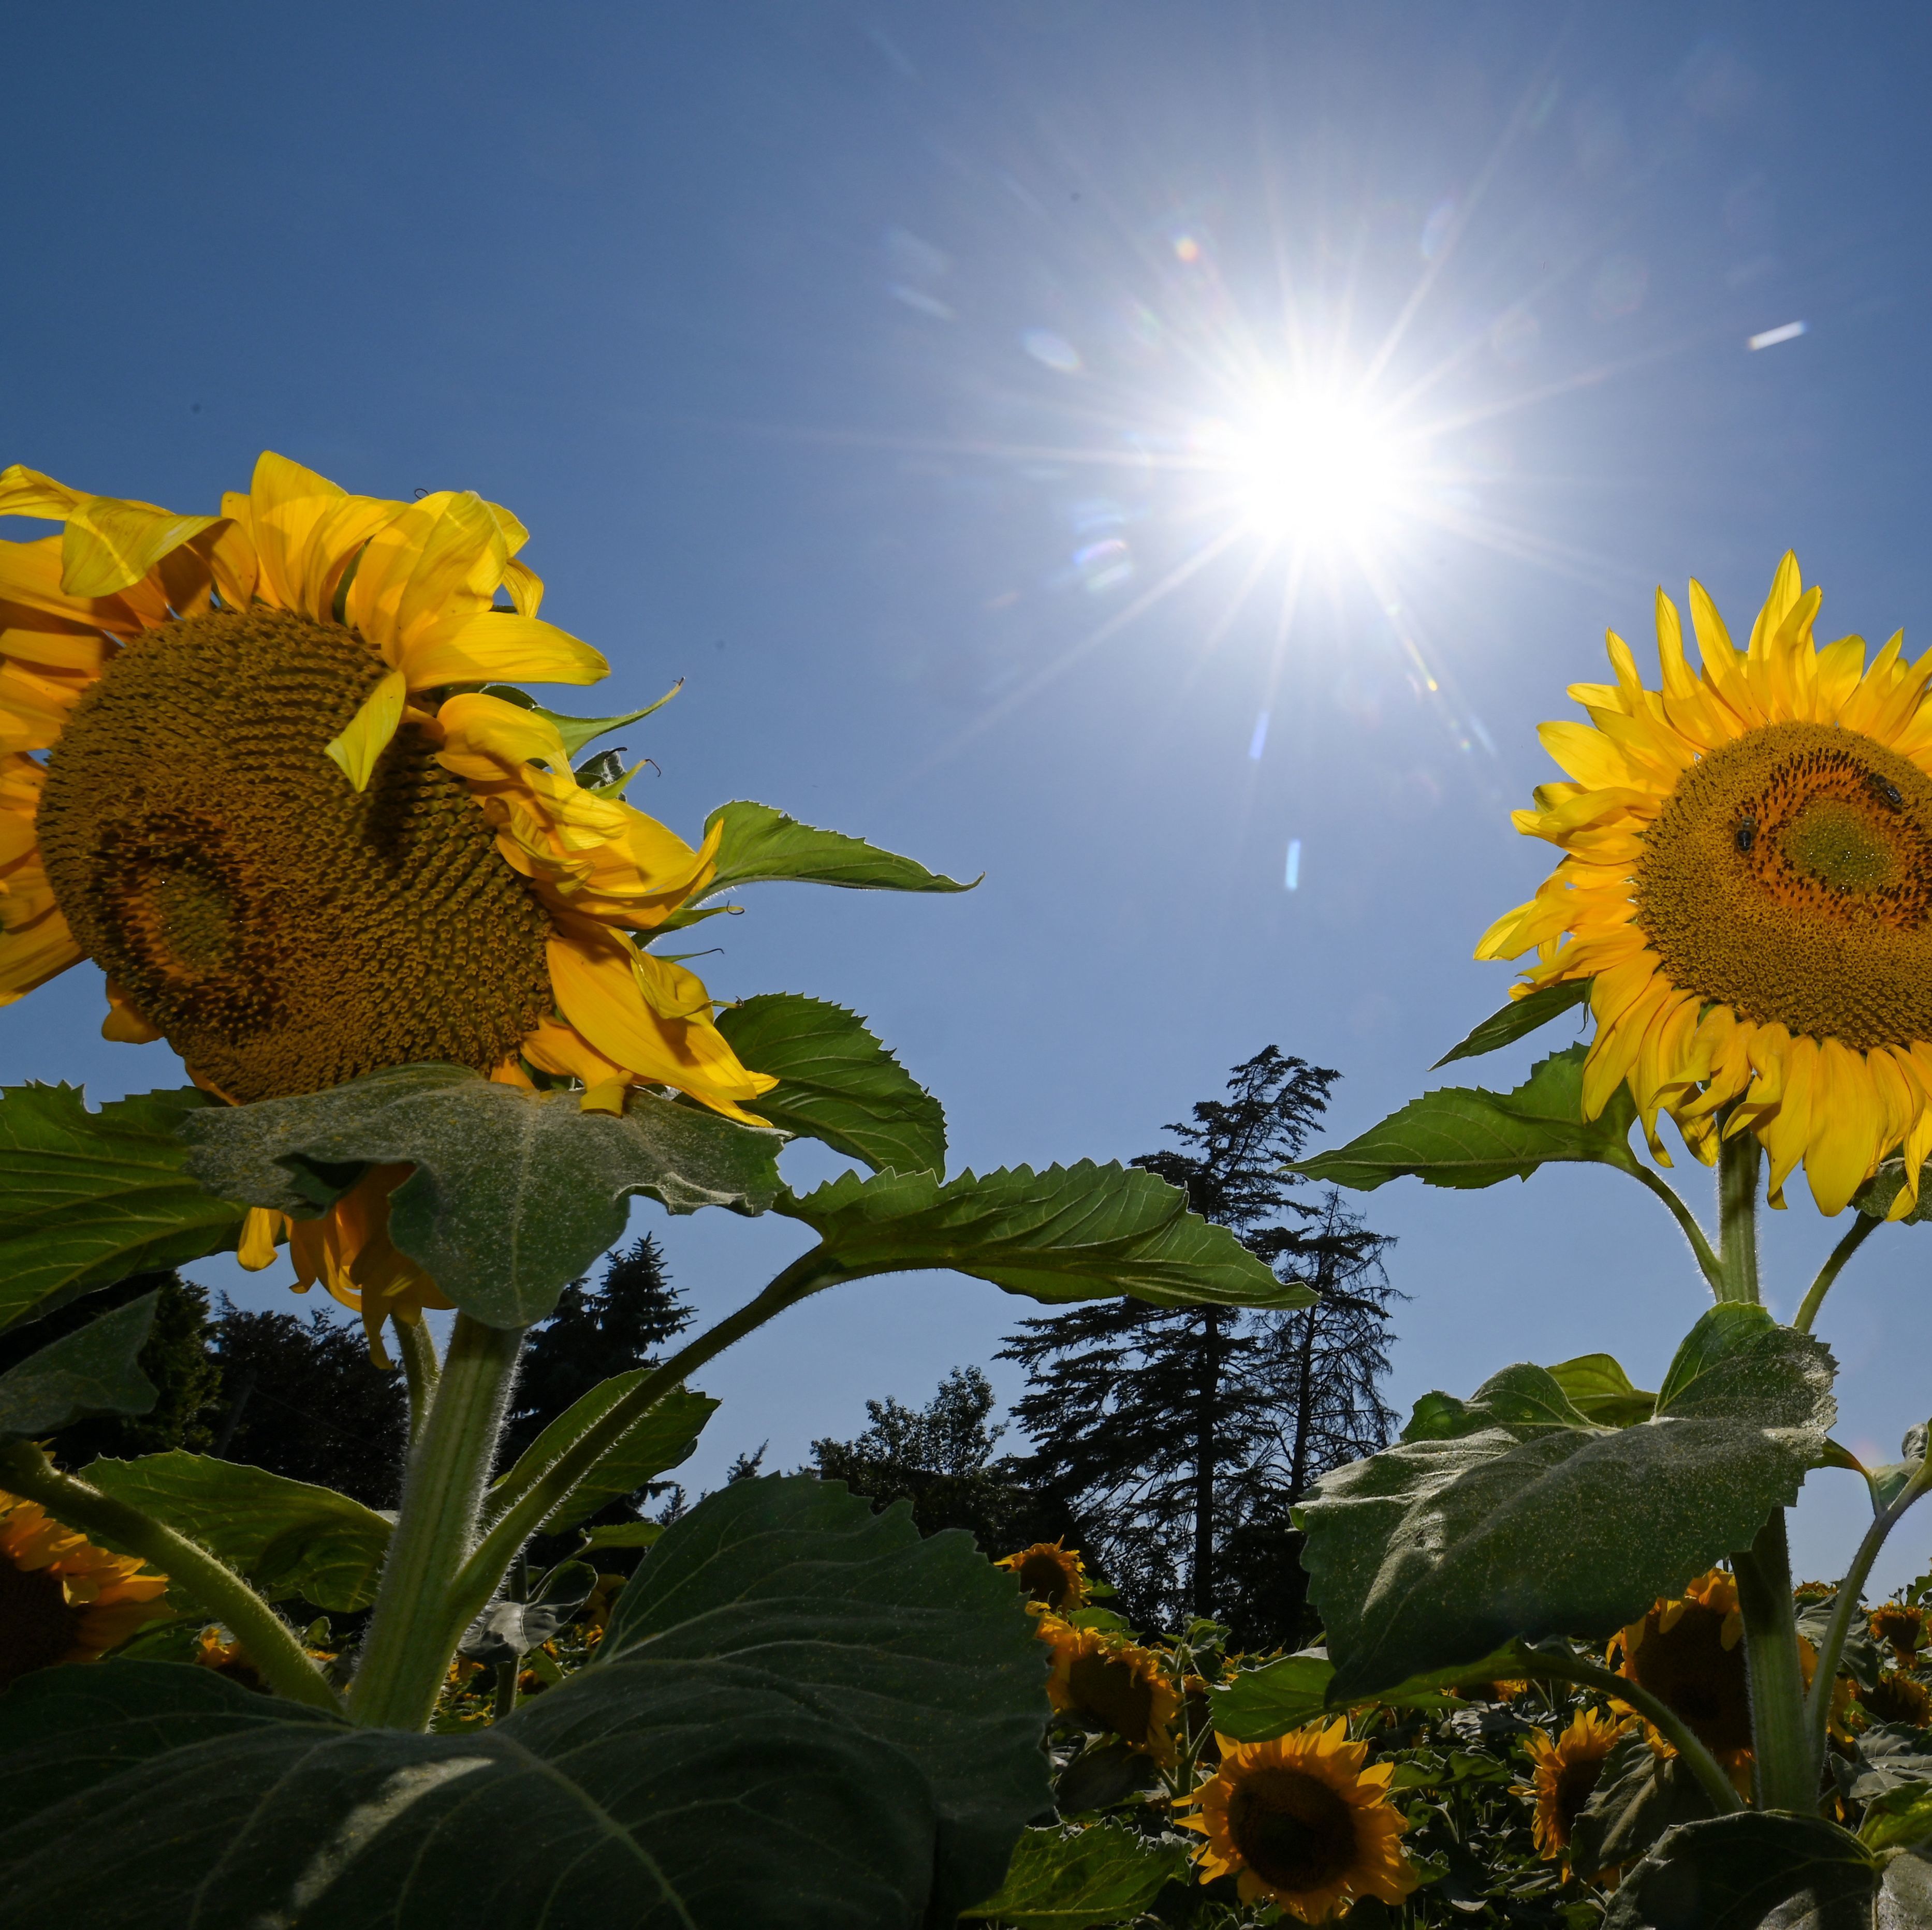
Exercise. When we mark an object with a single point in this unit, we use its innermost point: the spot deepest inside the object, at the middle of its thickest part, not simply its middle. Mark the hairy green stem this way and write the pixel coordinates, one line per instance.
(406, 1654)
(420, 1368)
(270, 1643)
(1739, 1158)
(1708, 1262)
(1831, 1651)
(1553, 1666)
(519, 1515)
(1785, 1768)
(1862, 1229)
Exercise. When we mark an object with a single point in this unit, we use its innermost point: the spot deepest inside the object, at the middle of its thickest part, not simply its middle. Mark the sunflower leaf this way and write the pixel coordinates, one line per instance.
(1074, 1879)
(1639, 1795)
(1078, 1233)
(287, 1537)
(828, 1722)
(1438, 1550)
(1465, 1136)
(1746, 1870)
(761, 845)
(515, 1193)
(87, 1198)
(836, 1082)
(95, 1370)
(1876, 1196)
(1518, 1020)
(1262, 1703)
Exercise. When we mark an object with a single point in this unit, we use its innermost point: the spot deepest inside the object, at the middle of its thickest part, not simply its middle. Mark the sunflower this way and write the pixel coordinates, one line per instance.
(1687, 1651)
(1104, 1680)
(1903, 1627)
(1564, 1771)
(61, 1598)
(1746, 883)
(1897, 1697)
(1049, 1574)
(1299, 1820)
(248, 766)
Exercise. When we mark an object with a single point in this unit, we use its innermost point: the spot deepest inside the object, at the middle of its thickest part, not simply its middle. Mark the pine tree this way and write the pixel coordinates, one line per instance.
(1180, 1435)
(939, 1458)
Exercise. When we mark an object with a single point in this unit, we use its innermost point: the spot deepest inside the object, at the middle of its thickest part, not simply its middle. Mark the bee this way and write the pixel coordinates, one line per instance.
(1746, 834)
(1886, 790)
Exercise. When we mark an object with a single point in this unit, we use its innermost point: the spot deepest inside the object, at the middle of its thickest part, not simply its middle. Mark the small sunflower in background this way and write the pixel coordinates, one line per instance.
(1050, 1574)
(1565, 1769)
(1901, 1626)
(1101, 1679)
(249, 765)
(1897, 1698)
(1687, 1651)
(61, 1598)
(1300, 1822)
(1746, 881)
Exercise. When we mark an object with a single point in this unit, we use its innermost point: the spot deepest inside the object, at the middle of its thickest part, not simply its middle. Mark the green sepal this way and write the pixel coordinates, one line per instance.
(1518, 1020)
(576, 731)
(760, 845)
(93, 1371)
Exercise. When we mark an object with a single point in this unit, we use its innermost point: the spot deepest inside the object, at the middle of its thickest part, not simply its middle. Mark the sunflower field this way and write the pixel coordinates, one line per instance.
(275, 770)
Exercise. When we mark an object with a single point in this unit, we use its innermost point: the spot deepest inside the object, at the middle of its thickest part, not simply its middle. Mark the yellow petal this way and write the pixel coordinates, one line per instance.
(436, 559)
(112, 543)
(26, 492)
(257, 1247)
(499, 647)
(368, 736)
(35, 953)
(123, 1024)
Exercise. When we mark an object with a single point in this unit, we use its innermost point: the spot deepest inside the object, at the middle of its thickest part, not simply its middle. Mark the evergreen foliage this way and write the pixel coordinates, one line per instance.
(1183, 1436)
(940, 1459)
(187, 1378)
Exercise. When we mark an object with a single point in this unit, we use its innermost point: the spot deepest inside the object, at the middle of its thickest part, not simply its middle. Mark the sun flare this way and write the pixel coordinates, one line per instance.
(1315, 466)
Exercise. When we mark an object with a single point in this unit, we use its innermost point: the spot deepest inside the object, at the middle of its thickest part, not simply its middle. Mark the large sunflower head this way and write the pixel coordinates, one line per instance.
(1687, 1650)
(249, 765)
(1564, 1771)
(1300, 1822)
(1050, 1574)
(61, 1598)
(1107, 1683)
(1746, 881)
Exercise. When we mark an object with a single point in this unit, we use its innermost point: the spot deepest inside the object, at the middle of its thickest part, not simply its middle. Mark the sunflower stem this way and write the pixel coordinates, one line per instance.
(406, 1655)
(1739, 1160)
(1708, 1262)
(1818, 1701)
(269, 1643)
(420, 1368)
(1785, 1768)
(519, 1515)
(1861, 1230)
(1554, 1665)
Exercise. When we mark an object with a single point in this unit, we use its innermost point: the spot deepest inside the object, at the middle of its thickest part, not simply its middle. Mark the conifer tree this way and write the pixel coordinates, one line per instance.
(1181, 1436)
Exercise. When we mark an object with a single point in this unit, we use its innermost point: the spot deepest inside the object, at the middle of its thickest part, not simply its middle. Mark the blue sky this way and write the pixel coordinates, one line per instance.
(904, 379)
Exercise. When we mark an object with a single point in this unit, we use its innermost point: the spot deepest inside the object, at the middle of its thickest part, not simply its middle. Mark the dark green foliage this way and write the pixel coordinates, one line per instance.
(186, 1378)
(940, 1459)
(1183, 1436)
(302, 1398)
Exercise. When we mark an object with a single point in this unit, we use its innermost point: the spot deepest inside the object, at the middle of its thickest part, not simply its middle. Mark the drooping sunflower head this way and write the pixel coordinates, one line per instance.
(1901, 1625)
(1687, 1651)
(1747, 883)
(1897, 1698)
(258, 767)
(61, 1598)
(1565, 1769)
(1050, 1574)
(1300, 1822)
(1103, 1680)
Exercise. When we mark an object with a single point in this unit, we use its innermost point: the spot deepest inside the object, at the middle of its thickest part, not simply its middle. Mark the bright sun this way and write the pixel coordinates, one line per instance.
(1314, 466)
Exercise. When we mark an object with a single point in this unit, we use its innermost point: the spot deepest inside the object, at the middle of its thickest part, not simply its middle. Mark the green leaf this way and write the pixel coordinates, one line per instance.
(826, 1723)
(94, 1370)
(1078, 1233)
(1464, 1135)
(621, 1535)
(1518, 1020)
(1876, 1196)
(88, 1198)
(1639, 1795)
(1529, 1400)
(836, 1083)
(1441, 1550)
(667, 1435)
(576, 731)
(1262, 1703)
(1598, 1387)
(515, 1193)
(761, 845)
(1732, 1872)
(287, 1537)
(1899, 1818)
(1074, 1879)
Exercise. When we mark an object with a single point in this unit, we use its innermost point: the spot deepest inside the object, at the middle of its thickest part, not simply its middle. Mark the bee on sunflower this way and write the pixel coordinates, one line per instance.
(1302, 1822)
(61, 1598)
(1101, 1679)
(1747, 884)
(1564, 1771)
(1049, 1575)
(260, 767)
